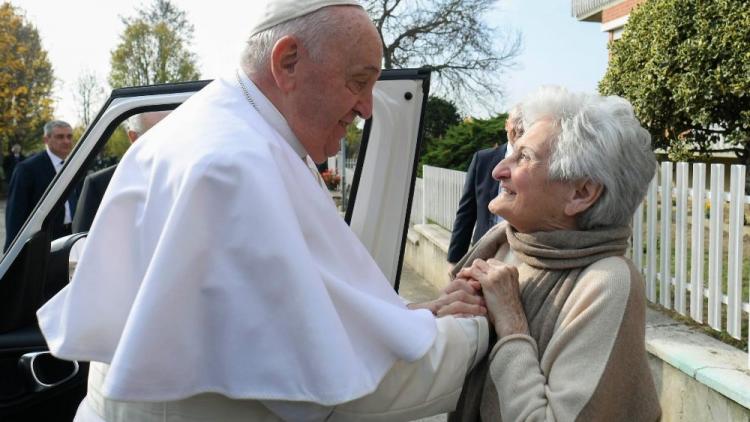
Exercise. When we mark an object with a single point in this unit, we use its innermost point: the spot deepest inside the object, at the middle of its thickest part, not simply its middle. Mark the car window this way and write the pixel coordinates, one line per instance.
(36, 172)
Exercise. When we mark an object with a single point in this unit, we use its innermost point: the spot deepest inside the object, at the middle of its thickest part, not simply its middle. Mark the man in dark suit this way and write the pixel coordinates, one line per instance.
(11, 161)
(96, 183)
(479, 189)
(31, 178)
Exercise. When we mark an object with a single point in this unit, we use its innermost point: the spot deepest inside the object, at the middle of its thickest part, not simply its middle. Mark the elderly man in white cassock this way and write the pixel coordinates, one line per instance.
(212, 287)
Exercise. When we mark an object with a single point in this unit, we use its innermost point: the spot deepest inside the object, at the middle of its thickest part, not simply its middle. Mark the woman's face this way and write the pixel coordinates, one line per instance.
(528, 200)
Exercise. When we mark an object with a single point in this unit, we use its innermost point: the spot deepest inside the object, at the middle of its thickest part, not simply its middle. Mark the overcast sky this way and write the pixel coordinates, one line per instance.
(79, 35)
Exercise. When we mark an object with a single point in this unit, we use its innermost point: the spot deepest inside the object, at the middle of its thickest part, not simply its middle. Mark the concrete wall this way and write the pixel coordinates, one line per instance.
(426, 250)
(697, 377)
(683, 398)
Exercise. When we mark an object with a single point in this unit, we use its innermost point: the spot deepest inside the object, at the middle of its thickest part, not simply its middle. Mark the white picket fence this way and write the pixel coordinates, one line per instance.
(442, 190)
(417, 203)
(674, 253)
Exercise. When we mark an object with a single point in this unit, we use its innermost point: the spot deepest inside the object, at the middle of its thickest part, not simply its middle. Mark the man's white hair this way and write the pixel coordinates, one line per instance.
(312, 30)
(135, 123)
(515, 122)
(142, 122)
(599, 139)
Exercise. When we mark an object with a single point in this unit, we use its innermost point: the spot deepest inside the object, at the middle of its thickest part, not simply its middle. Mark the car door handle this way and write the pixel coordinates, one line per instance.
(44, 371)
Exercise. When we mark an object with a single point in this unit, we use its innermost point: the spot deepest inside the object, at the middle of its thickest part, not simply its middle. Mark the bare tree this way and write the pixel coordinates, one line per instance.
(88, 94)
(448, 36)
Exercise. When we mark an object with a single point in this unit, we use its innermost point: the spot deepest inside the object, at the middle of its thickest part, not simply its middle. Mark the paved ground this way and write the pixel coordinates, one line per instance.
(416, 289)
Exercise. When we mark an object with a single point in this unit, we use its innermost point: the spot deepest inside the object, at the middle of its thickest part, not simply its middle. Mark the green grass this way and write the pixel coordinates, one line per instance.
(721, 335)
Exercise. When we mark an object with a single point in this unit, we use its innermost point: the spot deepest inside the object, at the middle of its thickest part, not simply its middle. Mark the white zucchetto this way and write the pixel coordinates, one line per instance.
(274, 12)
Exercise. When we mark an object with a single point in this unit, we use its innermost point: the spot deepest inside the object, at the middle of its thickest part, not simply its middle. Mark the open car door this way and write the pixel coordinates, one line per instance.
(35, 385)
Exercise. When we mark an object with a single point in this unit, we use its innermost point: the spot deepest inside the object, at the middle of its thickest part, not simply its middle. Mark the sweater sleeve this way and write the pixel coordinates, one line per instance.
(563, 382)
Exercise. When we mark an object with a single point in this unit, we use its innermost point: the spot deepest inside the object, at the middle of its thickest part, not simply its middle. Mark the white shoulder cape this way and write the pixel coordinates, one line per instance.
(217, 264)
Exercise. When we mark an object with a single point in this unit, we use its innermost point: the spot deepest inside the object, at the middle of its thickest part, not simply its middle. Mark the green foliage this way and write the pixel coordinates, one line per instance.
(26, 81)
(115, 147)
(154, 48)
(353, 139)
(685, 67)
(440, 116)
(117, 144)
(455, 149)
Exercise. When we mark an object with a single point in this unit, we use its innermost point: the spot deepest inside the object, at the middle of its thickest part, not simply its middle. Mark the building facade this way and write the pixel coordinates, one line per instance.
(611, 14)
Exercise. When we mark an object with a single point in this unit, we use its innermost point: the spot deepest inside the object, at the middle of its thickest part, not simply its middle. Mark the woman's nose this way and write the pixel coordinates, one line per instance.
(501, 170)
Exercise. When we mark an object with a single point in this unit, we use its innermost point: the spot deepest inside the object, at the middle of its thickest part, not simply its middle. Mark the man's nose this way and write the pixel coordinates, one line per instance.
(364, 106)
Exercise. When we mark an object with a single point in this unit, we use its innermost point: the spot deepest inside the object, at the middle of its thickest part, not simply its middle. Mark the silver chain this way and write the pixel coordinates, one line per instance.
(244, 89)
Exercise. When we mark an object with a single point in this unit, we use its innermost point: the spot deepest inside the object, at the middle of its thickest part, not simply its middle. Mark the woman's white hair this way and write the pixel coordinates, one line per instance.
(312, 30)
(598, 139)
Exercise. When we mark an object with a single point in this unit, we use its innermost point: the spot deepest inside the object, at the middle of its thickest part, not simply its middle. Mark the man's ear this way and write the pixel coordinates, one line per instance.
(583, 196)
(284, 59)
(132, 135)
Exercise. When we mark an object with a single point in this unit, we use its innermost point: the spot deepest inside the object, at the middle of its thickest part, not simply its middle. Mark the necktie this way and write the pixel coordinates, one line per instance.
(68, 214)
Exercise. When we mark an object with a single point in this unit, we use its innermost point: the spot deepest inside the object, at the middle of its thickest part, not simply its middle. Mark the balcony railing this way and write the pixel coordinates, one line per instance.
(584, 9)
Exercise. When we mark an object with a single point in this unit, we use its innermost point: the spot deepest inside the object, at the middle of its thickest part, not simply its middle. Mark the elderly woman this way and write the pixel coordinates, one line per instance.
(567, 307)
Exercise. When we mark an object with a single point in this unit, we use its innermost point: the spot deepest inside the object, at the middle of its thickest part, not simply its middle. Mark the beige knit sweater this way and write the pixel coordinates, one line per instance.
(586, 373)
(594, 367)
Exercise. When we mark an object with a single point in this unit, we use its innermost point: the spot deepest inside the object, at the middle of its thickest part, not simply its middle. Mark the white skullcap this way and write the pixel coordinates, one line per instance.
(274, 12)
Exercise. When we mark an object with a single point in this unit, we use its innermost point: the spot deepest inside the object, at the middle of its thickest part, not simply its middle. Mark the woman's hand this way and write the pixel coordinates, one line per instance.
(502, 295)
(460, 298)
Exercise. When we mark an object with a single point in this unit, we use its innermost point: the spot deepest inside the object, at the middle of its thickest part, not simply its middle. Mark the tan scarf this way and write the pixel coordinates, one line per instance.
(557, 259)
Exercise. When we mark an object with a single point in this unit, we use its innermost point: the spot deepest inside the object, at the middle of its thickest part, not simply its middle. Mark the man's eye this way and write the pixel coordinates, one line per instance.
(357, 86)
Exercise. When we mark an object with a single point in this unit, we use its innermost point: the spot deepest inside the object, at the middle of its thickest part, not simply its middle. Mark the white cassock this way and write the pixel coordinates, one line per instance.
(217, 264)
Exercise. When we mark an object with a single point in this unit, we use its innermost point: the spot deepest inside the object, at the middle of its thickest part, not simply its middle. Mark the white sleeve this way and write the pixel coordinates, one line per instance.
(410, 390)
(428, 386)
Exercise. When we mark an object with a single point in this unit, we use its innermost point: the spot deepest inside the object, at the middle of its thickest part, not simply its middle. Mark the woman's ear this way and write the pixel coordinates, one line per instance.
(284, 60)
(584, 195)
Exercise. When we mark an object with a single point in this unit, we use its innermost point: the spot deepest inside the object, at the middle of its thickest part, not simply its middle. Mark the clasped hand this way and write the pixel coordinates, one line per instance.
(485, 288)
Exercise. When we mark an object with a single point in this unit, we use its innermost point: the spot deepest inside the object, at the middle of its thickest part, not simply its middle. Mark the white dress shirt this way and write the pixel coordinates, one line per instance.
(57, 163)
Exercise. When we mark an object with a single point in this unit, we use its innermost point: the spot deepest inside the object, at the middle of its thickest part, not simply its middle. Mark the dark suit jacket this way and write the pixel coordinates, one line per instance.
(479, 189)
(29, 181)
(91, 196)
(9, 165)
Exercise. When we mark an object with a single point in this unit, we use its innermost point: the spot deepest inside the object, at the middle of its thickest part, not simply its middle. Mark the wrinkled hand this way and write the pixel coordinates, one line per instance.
(502, 295)
(460, 298)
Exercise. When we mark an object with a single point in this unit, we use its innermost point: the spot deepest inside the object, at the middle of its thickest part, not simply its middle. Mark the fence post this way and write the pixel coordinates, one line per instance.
(681, 238)
(665, 291)
(716, 234)
(734, 263)
(425, 192)
(696, 250)
(651, 252)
